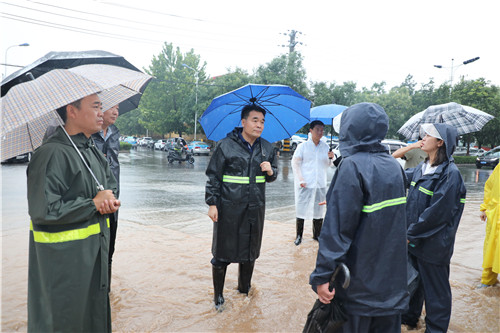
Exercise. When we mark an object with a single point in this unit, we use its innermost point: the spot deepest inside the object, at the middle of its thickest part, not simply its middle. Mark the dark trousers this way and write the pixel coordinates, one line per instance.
(113, 225)
(361, 324)
(433, 288)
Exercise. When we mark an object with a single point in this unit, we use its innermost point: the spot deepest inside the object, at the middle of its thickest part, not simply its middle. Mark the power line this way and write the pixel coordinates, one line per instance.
(75, 29)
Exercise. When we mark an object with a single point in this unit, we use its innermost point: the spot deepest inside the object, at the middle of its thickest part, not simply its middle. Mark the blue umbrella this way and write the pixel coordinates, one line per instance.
(286, 111)
(327, 112)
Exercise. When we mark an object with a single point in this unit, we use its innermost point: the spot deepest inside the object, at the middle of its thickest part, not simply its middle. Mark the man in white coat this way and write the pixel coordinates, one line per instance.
(310, 163)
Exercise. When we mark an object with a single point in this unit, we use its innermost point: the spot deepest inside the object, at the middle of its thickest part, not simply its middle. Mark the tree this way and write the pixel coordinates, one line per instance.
(168, 104)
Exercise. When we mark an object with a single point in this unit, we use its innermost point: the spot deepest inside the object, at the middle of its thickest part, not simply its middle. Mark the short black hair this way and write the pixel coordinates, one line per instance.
(316, 123)
(62, 110)
(249, 108)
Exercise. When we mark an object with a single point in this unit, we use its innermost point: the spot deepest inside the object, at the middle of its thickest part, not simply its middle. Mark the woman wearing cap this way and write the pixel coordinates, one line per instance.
(435, 203)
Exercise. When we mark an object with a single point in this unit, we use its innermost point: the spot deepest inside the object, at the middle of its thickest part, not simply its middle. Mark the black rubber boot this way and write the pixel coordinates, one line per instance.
(317, 224)
(245, 271)
(300, 230)
(218, 276)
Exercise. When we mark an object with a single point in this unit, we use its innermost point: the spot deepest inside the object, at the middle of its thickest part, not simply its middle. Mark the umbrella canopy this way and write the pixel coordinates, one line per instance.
(328, 317)
(465, 119)
(29, 108)
(286, 111)
(54, 60)
(326, 113)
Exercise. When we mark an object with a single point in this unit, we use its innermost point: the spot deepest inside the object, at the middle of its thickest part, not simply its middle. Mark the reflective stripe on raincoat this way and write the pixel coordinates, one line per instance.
(236, 185)
(434, 206)
(365, 225)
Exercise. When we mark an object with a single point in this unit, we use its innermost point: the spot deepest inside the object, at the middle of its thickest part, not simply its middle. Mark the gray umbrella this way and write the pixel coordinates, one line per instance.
(54, 60)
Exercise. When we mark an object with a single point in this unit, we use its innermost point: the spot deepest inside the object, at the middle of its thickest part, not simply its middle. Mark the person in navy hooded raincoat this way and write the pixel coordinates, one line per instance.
(365, 226)
(435, 203)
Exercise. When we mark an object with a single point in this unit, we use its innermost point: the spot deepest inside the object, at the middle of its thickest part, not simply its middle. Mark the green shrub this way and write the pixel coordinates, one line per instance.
(125, 145)
(465, 159)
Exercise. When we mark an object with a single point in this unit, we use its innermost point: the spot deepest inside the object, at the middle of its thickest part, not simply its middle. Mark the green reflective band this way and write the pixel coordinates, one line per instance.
(242, 180)
(426, 191)
(66, 236)
(236, 179)
(462, 200)
(384, 204)
(260, 179)
(412, 183)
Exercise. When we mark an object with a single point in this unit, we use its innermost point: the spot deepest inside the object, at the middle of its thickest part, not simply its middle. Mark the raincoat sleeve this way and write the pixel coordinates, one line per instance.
(274, 166)
(488, 201)
(409, 176)
(444, 203)
(50, 196)
(215, 171)
(297, 165)
(343, 214)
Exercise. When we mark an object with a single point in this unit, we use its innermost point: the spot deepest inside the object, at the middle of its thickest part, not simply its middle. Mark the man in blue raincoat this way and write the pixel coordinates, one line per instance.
(365, 226)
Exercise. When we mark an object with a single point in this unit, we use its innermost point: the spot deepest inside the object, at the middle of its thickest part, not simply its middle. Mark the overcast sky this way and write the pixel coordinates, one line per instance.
(364, 41)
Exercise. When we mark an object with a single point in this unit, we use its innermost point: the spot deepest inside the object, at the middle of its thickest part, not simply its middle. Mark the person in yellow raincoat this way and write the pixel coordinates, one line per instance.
(490, 212)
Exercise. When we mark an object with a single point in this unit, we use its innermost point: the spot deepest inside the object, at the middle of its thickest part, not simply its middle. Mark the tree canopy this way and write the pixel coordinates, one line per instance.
(174, 97)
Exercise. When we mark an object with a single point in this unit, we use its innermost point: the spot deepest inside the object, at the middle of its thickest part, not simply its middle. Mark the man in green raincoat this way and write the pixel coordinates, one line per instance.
(69, 229)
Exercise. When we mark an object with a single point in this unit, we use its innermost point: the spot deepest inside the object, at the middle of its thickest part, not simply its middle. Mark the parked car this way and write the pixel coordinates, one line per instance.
(146, 141)
(199, 147)
(392, 146)
(132, 140)
(473, 151)
(160, 144)
(489, 159)
(294, 141)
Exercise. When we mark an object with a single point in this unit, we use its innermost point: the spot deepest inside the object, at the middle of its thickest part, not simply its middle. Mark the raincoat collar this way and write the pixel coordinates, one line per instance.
(363, 126)
(80, 140)
(236, 135)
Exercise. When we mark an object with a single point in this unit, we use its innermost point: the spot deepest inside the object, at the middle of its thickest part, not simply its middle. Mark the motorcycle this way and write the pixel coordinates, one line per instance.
(180, 156)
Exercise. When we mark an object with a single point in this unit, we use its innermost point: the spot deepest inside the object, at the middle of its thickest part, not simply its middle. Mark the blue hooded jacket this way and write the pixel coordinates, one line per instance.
(365, 225)
(435, 205)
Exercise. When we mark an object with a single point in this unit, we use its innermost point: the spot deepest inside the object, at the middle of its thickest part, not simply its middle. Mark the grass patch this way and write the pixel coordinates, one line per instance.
(125, 145)
(465, 159)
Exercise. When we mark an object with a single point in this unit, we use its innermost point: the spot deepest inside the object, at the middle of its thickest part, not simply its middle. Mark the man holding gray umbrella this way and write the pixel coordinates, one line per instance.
(69, 231)
(107, 140)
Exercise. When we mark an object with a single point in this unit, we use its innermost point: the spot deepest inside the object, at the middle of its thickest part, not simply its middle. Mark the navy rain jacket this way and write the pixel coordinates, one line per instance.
(365, 225)
(435, 205)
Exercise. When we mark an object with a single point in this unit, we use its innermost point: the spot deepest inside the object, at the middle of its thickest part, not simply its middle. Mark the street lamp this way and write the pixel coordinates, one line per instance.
(466, 62)
(23, 44)
(196, 98)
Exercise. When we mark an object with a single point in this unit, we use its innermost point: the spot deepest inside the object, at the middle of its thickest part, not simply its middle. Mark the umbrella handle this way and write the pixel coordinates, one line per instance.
(347, 276)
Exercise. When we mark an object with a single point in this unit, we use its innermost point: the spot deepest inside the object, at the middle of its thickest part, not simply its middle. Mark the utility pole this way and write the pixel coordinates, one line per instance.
(292, 42)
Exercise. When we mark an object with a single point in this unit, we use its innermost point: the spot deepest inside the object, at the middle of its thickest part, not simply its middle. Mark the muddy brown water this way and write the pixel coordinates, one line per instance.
(162, 275)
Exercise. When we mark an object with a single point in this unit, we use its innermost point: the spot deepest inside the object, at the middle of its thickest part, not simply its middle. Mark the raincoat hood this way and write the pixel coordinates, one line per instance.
(362, 127)
(449, 135)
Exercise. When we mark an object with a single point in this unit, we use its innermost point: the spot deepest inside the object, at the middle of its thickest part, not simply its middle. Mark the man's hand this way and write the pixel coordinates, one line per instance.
(331, 154)
(482, 216)
(325, 296)
(105, 202)
(213, 213)
(266, 167)
(303, 184)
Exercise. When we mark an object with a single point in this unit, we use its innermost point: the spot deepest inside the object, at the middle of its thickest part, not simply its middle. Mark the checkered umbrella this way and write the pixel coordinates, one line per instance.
(464, 118)
(29, 108)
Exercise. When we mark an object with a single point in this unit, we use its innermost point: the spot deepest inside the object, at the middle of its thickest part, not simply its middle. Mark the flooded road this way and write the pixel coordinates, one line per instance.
(162, 274)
